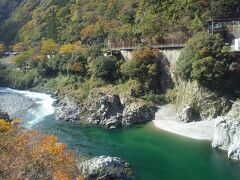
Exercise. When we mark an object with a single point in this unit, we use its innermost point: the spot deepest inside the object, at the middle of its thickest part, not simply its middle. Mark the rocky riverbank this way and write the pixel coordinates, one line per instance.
(227, 132)
(13, 103)
(103, 167)
(104, 109)
(167, 120)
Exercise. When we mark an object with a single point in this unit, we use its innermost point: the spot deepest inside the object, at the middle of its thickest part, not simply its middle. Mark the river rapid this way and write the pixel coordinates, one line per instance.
(153, 154)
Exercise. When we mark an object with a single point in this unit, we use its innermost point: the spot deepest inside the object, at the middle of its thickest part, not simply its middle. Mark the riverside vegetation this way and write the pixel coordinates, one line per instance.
(60, 46)
(30, 154)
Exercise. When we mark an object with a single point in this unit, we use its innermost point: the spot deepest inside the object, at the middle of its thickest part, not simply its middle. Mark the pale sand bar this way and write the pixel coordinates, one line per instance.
(166, 120)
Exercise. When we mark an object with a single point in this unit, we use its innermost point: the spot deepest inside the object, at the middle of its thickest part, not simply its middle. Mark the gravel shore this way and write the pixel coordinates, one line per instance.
(14, 104)
(165, 119)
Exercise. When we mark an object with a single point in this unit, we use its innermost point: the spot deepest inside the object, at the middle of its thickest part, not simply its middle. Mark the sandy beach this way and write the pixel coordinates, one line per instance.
(166, 120)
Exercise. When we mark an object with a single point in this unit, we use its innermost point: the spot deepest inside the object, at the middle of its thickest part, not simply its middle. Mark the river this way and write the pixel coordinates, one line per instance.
(152, 153)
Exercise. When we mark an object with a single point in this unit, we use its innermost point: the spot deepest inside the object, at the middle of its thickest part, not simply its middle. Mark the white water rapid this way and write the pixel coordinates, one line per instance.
(42, 106)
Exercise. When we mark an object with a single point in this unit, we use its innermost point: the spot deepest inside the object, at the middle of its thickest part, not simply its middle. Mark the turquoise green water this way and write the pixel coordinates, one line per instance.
(152, 153)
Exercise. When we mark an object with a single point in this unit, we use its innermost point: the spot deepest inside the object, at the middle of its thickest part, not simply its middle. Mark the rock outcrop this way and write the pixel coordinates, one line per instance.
(208, 104)
(136, 113)
(104, 109)
(189, 114)
(105, 168)
(227, 132)
(235, 110)
(227, 136)
(67, 109)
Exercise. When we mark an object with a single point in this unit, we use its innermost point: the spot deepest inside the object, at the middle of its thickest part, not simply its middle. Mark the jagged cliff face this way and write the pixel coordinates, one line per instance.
(191, 98)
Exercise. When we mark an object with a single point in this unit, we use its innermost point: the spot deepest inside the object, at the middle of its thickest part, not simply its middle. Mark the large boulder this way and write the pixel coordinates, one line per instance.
(227, 136)
(4, 115)
(189, 114)
(67, 109)
(105, 109)
(136, 113)
(105, 168)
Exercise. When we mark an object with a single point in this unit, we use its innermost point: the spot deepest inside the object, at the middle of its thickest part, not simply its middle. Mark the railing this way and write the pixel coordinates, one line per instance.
(131, 44)
(231, 26)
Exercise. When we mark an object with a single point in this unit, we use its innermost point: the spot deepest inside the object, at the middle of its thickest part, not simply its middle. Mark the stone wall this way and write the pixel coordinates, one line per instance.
(171, 55)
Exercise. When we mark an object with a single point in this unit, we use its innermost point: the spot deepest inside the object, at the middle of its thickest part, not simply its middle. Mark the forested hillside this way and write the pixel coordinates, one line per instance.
(93, 21)
(13, 15)
(61, 42)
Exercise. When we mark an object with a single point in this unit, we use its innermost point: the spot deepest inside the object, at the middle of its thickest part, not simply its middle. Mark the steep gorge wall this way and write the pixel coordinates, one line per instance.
(171, 55)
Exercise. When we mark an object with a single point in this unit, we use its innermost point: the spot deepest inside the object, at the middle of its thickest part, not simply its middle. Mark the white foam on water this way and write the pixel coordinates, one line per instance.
(44, 106)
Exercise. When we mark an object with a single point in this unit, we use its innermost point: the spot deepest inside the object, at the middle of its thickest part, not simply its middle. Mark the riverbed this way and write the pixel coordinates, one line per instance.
(153, 154)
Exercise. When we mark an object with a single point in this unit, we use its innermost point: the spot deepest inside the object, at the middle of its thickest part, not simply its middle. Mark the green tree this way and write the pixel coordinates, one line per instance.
(22, 60)
(208, 60)
(146, 67)
(105, 68)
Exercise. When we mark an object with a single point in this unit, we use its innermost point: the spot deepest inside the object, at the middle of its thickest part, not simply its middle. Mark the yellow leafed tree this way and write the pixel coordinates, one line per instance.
(2, 49)
(67, 49)
(49, 47)
(32, 155)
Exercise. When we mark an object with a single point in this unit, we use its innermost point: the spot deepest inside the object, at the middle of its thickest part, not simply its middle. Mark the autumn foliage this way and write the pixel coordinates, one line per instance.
(19, 47)
(48, 46)
(145, 54)
(32, 155)
(88, 31)
(2, 49)
(67, 49)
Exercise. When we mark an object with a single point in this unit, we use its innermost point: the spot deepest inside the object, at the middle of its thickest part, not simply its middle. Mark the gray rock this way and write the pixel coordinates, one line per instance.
(105, 110)
(4, 115)
(66, 109)
(189, 114)
(136, 113)
(14, 104)
(227, 136)
(235, 110)
(105, 168)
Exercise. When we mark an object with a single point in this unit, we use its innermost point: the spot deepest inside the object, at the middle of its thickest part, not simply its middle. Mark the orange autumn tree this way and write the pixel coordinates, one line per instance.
(32, 155)
(88, 31)
(19, 47)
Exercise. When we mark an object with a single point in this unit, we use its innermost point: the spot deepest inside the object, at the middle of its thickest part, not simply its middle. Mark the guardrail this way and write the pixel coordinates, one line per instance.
(132, 45)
